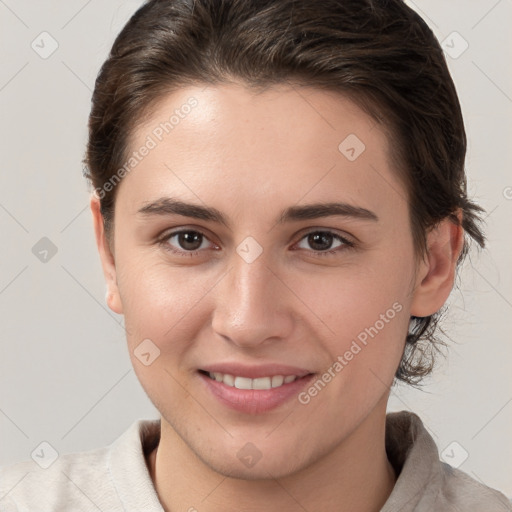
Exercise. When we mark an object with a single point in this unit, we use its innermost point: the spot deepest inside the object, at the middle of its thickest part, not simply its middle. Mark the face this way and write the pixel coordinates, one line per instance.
(255, 281)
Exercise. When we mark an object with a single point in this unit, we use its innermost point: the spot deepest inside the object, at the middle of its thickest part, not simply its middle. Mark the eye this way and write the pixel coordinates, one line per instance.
(187, 242)
(322, 242)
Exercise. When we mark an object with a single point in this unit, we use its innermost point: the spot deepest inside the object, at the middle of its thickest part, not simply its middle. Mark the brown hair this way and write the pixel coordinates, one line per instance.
(379, 53)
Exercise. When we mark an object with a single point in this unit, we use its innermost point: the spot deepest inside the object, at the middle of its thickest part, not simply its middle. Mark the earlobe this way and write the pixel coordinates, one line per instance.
(436, 274)
(112, 296)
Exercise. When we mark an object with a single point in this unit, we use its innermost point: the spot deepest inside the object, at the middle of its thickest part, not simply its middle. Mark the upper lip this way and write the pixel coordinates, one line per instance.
(254, 372)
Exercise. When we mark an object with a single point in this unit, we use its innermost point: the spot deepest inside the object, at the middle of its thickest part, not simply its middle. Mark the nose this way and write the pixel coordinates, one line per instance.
(252, 304)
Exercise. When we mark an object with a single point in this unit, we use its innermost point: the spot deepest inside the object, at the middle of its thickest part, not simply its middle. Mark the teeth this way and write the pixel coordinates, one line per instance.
(245, 383)
(277, 380)
(242, 382)
(229, 380)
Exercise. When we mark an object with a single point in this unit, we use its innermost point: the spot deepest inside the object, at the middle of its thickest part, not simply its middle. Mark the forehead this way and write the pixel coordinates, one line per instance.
(232, 111)
(279, 145)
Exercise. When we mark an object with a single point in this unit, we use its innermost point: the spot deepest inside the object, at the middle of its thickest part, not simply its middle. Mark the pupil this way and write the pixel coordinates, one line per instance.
(190, 238)
(320, 238)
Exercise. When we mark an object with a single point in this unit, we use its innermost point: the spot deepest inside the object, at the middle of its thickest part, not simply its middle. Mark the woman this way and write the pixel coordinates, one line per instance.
(280, 208)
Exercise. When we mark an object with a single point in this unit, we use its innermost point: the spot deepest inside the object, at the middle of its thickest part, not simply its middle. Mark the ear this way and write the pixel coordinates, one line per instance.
(436, 273)
(113, 297)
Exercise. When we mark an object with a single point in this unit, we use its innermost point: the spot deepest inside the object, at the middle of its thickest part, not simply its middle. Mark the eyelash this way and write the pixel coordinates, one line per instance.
(347, 244)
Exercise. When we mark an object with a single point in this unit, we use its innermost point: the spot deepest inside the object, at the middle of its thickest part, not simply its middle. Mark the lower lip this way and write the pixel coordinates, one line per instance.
(255, 401)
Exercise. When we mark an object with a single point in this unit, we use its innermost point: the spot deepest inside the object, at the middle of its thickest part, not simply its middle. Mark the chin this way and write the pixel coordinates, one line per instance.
(260, 471)
(248, 463)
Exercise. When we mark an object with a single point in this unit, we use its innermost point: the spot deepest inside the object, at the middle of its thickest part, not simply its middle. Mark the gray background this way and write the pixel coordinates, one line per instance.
(65, 375)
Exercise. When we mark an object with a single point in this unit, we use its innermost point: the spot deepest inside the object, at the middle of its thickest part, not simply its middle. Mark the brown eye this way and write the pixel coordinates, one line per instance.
(185, 242)
(189, 240)
(321, 242)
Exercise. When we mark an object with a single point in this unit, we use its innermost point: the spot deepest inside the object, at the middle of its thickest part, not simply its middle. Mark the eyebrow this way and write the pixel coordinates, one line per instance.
(171, 206)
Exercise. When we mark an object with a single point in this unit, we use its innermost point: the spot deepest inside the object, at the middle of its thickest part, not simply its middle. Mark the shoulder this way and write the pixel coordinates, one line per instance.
(76, 478)
(108, 478)
(425, 482)
(461, 490)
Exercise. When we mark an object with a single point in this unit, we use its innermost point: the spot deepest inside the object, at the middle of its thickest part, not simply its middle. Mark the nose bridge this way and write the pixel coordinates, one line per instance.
(250, 307)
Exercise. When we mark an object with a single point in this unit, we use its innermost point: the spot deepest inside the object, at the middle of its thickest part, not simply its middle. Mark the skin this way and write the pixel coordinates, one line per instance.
(251, 156)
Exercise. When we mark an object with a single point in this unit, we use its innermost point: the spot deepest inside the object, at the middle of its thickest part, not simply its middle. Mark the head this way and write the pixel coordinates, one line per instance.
(253, 107)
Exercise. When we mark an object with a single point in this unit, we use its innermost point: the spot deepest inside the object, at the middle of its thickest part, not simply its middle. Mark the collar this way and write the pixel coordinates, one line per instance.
(414, 455)
(410, 449)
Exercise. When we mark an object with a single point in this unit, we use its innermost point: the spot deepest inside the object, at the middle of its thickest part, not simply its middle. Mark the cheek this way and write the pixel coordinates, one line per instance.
(163, 318)
(367, 312)
(369, 317)
(160, 302)
(352, 299)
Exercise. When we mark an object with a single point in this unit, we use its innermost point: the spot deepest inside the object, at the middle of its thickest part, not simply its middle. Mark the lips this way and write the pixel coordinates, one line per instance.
(254, 400)
(254, 389)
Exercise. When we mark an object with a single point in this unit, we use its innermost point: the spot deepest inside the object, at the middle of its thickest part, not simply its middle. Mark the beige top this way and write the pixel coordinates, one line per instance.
(115, 478)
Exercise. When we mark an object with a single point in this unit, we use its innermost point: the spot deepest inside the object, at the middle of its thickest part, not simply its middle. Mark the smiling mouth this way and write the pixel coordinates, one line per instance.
(260, 383)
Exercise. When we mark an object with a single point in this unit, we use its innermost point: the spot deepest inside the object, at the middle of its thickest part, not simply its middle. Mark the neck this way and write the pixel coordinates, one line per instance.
(356, 475)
